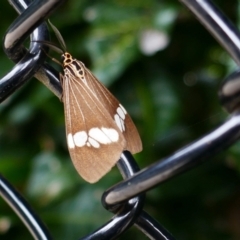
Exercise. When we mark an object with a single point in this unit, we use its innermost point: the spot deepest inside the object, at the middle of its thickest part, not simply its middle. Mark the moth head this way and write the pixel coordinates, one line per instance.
(66, 59)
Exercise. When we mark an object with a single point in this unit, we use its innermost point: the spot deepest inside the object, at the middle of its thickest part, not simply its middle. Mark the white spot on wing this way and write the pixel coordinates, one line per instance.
(80, 138)
(119, 117)
(120, 113)
(122, 125)
(93, 142)
(124, 110)
(99, 135)
(94, 138)
(111, 133)
(70, 141)
(118, 121)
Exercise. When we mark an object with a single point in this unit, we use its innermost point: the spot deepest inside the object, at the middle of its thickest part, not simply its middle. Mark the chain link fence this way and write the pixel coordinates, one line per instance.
(126, 198)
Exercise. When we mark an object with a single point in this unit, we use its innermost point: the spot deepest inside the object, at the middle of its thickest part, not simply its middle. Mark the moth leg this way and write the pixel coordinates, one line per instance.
(61, 82)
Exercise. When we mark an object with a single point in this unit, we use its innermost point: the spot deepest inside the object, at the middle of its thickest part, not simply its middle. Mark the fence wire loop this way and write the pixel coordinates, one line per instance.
(125, 199)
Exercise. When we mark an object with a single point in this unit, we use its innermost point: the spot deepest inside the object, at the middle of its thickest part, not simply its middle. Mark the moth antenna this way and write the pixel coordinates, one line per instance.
(53, 59)
(58, 35)
(53, 47)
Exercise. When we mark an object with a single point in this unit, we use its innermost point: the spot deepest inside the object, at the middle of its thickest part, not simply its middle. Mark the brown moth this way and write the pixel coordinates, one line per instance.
(98, 127)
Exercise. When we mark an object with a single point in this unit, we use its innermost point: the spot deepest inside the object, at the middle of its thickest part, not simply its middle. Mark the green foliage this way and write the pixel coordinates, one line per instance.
(172, 96)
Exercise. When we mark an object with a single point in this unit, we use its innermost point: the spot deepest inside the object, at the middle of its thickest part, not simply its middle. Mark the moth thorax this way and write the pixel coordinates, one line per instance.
(73, 68)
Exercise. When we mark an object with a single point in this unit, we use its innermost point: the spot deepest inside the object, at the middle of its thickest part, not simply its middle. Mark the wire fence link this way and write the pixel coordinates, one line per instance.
(126, 198)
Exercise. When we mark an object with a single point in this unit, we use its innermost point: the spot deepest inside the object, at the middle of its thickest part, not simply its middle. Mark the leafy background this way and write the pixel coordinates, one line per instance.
(172, 96)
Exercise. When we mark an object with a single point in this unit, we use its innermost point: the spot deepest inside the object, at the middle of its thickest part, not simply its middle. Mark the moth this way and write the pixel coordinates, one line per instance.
(98, 128)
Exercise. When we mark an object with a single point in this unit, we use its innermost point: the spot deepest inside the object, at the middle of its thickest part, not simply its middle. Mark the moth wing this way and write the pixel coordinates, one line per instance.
(116, 110)
(94, 141)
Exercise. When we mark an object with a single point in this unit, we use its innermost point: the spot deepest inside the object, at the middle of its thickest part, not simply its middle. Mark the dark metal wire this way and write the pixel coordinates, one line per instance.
(229, 93)
(22, 208)
(127, 197)
(182, 160)
(126, 213)
(207, 146)
(29, 62)
(217, 24)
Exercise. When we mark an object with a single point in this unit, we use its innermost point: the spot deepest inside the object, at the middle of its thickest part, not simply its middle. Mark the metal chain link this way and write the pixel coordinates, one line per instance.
(126, 198)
